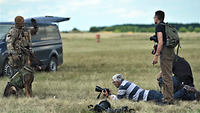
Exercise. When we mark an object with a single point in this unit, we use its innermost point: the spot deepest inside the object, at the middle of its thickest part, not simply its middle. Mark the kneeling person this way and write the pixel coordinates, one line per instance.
(182, 74)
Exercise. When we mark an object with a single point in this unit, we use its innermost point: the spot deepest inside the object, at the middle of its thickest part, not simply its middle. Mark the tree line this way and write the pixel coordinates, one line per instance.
(193, 27)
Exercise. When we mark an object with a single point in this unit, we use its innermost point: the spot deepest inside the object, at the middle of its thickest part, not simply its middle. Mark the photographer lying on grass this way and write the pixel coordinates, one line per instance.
(133, 92)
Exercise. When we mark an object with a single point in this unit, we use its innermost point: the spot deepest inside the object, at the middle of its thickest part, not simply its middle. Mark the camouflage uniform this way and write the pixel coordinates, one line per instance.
(17, 37)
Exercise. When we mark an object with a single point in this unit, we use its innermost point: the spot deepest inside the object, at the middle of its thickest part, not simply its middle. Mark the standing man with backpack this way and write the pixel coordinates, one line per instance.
(167, 56)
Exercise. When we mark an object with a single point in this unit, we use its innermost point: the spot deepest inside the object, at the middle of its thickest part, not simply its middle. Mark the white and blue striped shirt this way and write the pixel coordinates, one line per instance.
(131, 91)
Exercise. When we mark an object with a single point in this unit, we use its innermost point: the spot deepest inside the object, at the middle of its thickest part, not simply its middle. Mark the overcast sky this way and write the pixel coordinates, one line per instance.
(87, 13)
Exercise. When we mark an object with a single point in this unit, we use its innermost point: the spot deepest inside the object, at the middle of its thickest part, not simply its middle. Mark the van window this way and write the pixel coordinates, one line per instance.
(40, 34)
(4, 30)
(52, 32)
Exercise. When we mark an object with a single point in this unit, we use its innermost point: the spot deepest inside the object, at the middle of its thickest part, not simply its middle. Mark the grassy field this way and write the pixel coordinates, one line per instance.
(87, 64)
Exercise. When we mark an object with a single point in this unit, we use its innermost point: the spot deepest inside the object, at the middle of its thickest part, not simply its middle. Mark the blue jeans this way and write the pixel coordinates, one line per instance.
(183, 95)
(180, 94)
(155, 95)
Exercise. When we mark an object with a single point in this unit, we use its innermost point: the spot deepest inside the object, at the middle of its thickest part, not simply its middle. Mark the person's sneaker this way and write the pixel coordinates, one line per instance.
(190, 89)
(198, 95)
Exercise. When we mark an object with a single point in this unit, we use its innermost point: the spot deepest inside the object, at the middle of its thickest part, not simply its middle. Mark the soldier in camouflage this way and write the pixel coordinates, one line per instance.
(17, 38)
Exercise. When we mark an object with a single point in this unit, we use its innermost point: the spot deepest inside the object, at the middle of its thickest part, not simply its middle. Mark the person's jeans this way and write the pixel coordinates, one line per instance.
(180, 94)
(183, 95)
(175, 83)
(155, 96)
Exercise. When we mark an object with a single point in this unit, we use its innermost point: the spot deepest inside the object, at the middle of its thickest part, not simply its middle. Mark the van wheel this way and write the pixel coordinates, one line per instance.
(7, 70)
(52, 64)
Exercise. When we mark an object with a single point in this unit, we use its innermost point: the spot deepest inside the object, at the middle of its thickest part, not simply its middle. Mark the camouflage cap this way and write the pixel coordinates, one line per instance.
(19, 22)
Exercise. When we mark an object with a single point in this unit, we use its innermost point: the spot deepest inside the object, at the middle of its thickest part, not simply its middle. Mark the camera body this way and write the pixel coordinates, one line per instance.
(99, 89)
(154, 38)
(154, 50)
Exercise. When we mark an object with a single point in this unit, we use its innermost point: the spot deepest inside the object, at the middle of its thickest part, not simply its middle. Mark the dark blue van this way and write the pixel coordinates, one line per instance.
(47, 43)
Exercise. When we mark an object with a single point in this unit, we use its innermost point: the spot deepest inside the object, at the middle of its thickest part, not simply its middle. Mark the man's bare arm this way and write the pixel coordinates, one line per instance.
(160, 42)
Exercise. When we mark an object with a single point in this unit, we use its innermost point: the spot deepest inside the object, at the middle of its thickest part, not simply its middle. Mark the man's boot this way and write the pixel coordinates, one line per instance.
(190, 89)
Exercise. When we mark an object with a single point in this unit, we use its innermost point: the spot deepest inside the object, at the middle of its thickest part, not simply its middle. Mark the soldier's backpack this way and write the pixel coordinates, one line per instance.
(172, 38)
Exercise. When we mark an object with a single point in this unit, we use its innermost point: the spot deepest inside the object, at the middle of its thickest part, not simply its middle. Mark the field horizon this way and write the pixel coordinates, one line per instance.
(88, 64)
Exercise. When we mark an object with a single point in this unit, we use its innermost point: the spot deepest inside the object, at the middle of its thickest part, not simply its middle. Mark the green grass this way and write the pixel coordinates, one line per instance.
(87, 64)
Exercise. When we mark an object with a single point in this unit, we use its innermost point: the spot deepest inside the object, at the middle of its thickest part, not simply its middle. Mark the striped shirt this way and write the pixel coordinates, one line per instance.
(131, 91)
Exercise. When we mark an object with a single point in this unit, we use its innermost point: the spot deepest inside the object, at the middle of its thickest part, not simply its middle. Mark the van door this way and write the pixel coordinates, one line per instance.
(38, 42)
(47, 42)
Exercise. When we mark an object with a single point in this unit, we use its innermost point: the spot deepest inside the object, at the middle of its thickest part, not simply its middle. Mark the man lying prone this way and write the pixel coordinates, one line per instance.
(133, 92)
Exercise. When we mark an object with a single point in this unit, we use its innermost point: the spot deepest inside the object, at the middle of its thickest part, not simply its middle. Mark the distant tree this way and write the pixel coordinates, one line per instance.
(190, 28)
(75, 29)
(197, 29)
(130, 28)
(182, 29)
(64, 31)
(146, 28)
(123, 29)
(143, 29)
(135, 28)
(95, 29)
(151, 29)
(109, 29)
(117, 31)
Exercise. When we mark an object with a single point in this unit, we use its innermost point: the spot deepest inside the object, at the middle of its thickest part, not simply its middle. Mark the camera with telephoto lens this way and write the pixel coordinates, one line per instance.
(154, 38)
(99, 89)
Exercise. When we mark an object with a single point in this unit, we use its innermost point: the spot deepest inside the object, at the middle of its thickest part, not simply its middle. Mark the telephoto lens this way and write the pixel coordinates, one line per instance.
(98, 89)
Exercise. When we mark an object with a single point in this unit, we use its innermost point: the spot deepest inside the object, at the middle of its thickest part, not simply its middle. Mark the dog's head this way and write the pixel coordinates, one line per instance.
(10, 90)
(34, 61)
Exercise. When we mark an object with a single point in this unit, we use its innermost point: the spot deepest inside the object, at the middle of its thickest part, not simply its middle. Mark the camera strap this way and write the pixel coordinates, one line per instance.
(99, 95)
